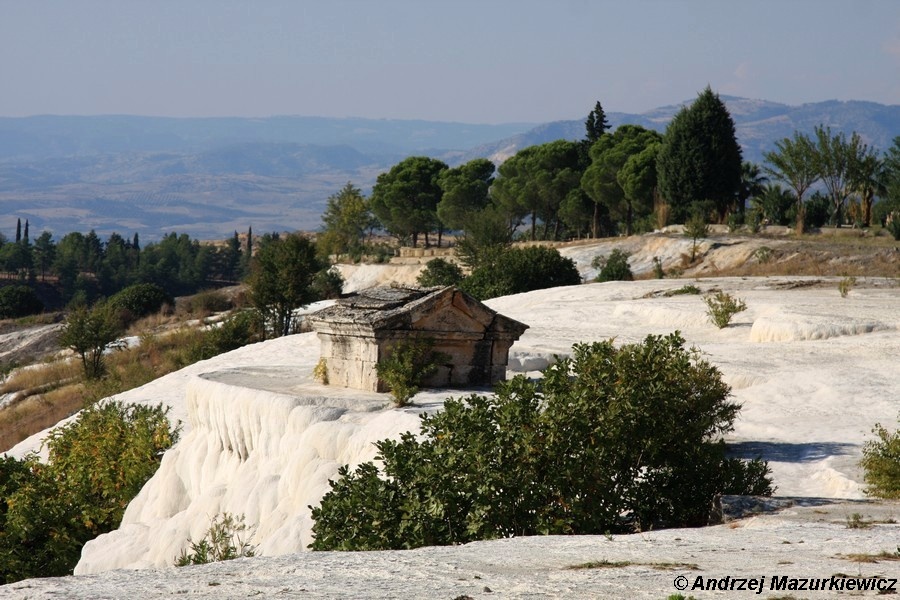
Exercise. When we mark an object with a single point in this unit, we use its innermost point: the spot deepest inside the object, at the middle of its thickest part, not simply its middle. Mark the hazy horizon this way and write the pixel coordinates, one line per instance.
(504, 61)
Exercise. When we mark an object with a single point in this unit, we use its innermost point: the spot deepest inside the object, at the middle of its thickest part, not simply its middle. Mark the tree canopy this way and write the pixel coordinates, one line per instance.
(536, 181)
(622, 174)
(700, 159)
(405, 198)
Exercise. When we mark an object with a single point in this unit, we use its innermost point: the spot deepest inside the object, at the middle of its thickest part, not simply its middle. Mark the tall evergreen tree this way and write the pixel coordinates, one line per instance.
(18, 230)
(596, 124)
(700, 159)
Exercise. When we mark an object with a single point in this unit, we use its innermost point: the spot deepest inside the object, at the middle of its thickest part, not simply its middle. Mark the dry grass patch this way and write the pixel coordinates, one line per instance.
(883, 556)
(41, 376)
(618, 564)
(39, 412)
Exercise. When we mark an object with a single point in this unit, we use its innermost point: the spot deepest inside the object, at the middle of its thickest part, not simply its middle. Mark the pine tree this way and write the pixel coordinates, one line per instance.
(700, 159)
(596, 124)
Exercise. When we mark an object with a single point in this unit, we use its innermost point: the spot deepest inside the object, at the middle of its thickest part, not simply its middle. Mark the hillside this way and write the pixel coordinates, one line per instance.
(210, 177)
(262, 438)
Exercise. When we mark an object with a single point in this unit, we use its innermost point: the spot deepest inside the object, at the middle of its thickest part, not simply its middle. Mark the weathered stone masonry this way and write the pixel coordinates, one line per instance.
(357, 332)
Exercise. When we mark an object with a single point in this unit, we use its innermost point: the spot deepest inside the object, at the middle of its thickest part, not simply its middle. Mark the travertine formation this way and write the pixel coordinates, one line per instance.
(358, 332)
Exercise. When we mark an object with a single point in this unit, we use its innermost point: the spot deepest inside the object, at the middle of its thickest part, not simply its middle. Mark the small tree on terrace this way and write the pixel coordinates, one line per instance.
(88, 332)
(281, 280)
(346, 220)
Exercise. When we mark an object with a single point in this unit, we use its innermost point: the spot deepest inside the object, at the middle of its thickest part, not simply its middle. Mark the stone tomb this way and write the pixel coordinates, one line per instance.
(358, 332)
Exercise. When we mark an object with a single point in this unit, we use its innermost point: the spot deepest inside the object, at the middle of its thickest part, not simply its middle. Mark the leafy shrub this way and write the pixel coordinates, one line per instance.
(816, 211)
(517, 270)
(224, 540)
(763, 255)
(439, 272)
(612, 440)
(721, 307)
(409, 364)
(238, 330)
(140, 300)
(19, 301)
(845, 285)
(881, 463)
(614, 267)
(96, 465)
(328, 283)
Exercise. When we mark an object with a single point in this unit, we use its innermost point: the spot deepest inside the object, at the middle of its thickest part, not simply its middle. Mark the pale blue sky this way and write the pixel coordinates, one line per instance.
(486, 61)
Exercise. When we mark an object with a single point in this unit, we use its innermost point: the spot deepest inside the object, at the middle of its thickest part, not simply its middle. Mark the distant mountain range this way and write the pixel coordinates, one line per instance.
(209, 177)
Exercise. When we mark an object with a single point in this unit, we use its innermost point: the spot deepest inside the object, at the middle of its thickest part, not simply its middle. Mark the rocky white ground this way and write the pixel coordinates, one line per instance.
(813, 371)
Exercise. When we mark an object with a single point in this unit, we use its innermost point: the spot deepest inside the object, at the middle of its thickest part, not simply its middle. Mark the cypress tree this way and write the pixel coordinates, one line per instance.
(700, 159)
(18, 230)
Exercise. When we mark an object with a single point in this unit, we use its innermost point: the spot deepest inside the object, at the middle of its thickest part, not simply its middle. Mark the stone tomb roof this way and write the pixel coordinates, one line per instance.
(407, 308)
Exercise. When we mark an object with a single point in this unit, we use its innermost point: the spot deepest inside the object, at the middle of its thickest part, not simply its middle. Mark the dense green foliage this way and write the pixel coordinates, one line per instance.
(464, 192)
(281, 280)
(881, 463)
(611, 440)
(347, 222)
(440, 272)
(96, 465)
(536, 181)
(88, 332)
(140, 300)
(622, 173)
(405, 198)
(408, 365)
(19, 301)
(613, 267)
(517, 270)
(700, 158)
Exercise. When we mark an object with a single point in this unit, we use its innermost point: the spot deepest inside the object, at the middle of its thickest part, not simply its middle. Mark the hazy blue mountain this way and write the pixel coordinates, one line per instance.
(209, 177)
(758, 124)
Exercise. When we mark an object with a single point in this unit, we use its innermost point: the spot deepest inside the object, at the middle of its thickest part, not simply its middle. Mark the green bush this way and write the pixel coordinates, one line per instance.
(439, 272)
(140, 300)
(517, 270)
(328, 283)
(721, 307)
(614, 267)
(881, 463)
(96, 465)
(19, 301)
(611, 440)
(236, 331)
(408, 365)
(224, 540)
